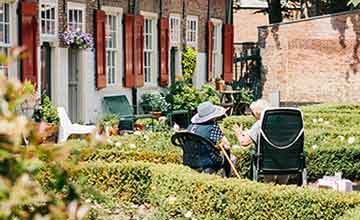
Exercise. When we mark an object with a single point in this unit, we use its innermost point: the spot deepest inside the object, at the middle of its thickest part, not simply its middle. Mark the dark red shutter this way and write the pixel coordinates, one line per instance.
(28, 32)
(210, 50)
(100, 50)
(129, 80)
(164, 52)
(228, 52)
(139, 51)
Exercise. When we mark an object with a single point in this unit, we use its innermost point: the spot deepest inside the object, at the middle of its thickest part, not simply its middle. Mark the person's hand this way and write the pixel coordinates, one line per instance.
(238, 130)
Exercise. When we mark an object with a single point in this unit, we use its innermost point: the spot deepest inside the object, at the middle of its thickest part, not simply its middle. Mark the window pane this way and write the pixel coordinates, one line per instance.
(6, 12)
(53, 13)
(80, 16)
(7, 31)
(71, 16)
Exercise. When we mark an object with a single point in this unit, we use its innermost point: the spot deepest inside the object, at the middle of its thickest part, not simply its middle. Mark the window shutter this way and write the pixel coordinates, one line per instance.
(210, 50)
(100, 50)
(228, 52)
(28, 33)
(129, 80)
(164, 52)
(139, 51)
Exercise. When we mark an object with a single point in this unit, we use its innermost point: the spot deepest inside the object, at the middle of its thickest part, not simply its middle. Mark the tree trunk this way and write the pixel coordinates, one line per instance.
(275, 15)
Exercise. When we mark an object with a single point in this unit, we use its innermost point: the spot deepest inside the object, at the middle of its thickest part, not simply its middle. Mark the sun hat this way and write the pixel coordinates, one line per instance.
(206, 112)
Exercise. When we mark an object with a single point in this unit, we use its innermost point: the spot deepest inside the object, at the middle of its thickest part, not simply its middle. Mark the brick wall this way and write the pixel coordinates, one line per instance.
(313, 60)
(246, 23)
(192, 7)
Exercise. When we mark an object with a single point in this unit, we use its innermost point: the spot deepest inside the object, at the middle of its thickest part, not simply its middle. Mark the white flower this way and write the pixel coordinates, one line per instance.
(321, 120)
(83, 210)
(342, 138)
(162, 119)
(351, 140)
(118, 144)
(188, 214)
(314, 120)
(146, 137)
(314, 147)
(137, 132)
(171, 199)
(176, 127)
(132, 146)
(326, 122)
(109, 141)
(236, 146)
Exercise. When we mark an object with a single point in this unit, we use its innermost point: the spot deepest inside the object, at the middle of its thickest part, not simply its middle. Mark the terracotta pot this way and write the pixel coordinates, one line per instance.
(139, 127)
(220, 85)
(47, 132)
(156, 115)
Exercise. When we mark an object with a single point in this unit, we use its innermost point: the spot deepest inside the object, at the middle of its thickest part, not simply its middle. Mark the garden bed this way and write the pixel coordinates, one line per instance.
(176, 191)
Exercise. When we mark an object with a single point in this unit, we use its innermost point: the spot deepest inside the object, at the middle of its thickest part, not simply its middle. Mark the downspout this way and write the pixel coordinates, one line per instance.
(207, 44)
(184, 24)
(134, 91)
(159, 40)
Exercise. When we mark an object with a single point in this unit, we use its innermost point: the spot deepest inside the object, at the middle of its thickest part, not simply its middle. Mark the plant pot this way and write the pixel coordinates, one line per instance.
(47, 132)
(220, 85)
(156, 115)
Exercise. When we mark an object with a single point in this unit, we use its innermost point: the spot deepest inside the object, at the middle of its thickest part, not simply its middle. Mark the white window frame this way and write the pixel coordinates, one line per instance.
(217, 48)
(117, 12)
(80, 7)
(175, 31)
(154, 51)
(4, 46)
(192, 34)
(47, 36)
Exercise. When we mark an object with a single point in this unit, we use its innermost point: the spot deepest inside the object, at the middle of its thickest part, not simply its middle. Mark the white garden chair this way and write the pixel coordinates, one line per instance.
(67, 128)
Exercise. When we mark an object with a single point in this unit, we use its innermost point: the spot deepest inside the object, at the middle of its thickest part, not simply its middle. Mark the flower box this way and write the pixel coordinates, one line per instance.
(77, 39)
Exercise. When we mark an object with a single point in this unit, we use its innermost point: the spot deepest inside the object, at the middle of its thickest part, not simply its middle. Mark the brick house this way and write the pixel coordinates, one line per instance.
(131, 56)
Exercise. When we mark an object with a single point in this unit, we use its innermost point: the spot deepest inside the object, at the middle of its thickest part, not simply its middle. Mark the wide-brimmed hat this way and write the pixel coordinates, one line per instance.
(206, 112)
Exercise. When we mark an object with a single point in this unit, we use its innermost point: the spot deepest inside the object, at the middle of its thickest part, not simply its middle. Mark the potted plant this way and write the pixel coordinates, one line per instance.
(154, 103)
(219, 84)
(109, 124)
(77, 39)
(47, 120)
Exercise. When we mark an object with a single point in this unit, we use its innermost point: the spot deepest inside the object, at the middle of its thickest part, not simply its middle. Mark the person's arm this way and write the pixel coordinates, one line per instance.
(217, 136)
(243, 138)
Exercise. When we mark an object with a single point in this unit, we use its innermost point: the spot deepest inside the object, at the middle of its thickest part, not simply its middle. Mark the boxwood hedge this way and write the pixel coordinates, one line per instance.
(319, 162)
(178, 192)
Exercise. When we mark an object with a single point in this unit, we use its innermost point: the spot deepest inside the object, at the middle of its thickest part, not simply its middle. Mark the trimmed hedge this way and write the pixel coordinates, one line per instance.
(176, 191)
(319, 162)
(333, 108)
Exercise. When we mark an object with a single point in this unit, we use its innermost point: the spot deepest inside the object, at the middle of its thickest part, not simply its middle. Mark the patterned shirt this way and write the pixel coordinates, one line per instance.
(216, 134)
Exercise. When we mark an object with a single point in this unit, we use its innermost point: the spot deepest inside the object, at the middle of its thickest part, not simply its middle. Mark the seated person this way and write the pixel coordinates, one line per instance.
(204, 123)
(251, 136)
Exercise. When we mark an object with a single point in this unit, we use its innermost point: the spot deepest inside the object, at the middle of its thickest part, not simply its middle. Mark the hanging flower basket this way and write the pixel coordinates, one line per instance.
(77, 39)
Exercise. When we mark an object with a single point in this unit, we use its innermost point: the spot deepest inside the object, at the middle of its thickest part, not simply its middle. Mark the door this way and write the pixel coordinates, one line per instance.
(46, 69)
(74, 91)
(175, 64)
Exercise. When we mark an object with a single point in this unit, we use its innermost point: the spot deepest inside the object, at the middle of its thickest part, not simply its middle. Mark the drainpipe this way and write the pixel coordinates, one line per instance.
(207, 43)
(134, 91)
(159, 39)
(184, 24)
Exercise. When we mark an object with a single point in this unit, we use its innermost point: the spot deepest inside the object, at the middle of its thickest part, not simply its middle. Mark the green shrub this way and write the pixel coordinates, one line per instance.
(208, 93)
(188, 62)
(176, 191)
(48, 111)
(154, 102)
(128, 182)
(333, 108)
(183, 96)
(110, 120)
(352, 214)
